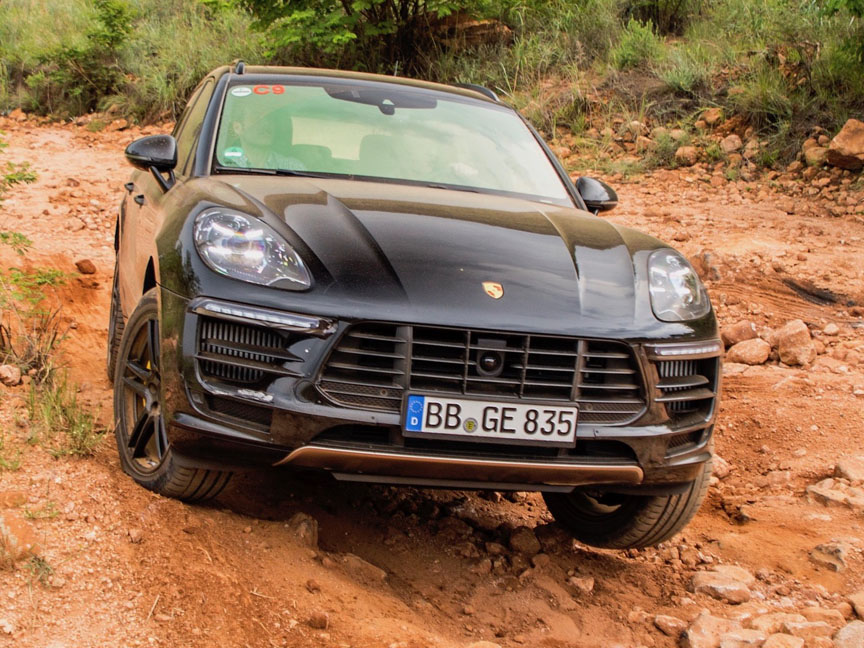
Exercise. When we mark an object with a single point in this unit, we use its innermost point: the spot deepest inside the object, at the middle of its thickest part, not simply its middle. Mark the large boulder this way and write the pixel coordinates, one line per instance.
(846, 150)
(794, 344)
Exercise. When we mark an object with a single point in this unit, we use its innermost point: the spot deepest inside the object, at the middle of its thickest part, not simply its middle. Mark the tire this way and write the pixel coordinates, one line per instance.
(115, 327)
(142, 441)
(627, 521)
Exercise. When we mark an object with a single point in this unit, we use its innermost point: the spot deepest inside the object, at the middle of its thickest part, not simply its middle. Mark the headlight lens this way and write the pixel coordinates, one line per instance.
(245, 248)
(677, 294)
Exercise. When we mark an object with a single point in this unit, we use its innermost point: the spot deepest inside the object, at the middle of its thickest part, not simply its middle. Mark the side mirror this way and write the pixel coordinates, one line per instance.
(598, 196)
(157, 154)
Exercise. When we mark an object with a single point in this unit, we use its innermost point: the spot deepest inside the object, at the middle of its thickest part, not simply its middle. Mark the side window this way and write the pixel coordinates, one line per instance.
(189, 125)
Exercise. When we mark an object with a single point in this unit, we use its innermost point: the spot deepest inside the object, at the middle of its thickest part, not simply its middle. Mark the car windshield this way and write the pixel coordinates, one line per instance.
(383, 131)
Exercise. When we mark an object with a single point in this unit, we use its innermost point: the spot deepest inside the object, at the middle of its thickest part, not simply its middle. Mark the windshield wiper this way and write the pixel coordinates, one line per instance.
(435, 185)
(281, 172)
(247, 170)
(302, 174)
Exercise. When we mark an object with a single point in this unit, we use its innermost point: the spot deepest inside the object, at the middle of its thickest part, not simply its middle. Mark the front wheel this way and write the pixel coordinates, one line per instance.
(615, 521)
(142, 439)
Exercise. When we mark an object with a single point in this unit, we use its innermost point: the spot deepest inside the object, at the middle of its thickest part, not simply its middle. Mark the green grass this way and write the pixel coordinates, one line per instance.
(39, 570)
(638, 46)
(59, 422)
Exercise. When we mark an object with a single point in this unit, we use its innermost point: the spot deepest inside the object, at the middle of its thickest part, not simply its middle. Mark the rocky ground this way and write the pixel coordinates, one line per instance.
(773, 559)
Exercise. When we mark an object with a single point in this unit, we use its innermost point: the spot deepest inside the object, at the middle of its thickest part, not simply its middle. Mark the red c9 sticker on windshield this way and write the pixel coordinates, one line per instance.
(269, 89)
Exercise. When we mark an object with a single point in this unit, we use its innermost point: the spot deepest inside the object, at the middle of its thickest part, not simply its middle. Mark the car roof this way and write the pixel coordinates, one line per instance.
(275, 70)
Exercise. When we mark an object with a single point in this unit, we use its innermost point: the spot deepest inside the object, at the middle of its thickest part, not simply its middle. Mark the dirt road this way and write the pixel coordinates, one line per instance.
(406, 568)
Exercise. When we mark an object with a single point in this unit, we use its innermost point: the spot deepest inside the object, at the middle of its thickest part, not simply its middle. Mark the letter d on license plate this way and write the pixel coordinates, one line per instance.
(501, 422)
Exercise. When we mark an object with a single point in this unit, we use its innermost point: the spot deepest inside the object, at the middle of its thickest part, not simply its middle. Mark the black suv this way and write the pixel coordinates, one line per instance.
(396, 281)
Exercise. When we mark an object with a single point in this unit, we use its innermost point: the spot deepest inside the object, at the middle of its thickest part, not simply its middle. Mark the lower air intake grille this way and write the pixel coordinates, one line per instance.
(688, 387)
(240, 354)
(374, 364)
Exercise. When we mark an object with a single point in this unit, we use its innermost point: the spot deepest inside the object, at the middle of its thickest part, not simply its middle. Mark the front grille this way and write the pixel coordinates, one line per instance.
(688, 387)
(243, 355)
(237, 409)
(374, 364)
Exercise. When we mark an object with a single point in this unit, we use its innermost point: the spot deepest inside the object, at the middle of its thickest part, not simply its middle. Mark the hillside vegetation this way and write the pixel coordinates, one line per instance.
(781, 67)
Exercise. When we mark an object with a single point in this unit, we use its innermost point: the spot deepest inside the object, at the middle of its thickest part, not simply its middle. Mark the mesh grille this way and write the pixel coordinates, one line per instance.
(241, 354)
(688, 387)
(375, 363)
(244, 411)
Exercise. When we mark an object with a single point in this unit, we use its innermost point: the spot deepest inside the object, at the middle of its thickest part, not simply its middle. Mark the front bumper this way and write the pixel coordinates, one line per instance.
(214, 423)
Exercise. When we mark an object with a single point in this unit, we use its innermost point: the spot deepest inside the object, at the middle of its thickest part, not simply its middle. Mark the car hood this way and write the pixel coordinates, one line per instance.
(398, 252)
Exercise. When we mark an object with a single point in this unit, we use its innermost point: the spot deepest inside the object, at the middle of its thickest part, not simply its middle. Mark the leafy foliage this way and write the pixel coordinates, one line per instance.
(78, 76)
(639, 45)
(373, 34)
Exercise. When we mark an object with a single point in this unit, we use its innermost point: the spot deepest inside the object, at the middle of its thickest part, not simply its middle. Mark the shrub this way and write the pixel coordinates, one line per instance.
(73, 78)
(638, 46)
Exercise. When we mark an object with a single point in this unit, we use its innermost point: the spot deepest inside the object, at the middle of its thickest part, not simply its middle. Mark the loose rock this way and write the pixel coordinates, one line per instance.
(857, 602)
(847, 148)
(10, 375)
(781, 640)
(17, 539)
(808, 629)
(773, 623)
(738, 332)
(86, 266)
(669, 625)
(583, 585)
(687, 155)
(742, 639)
(319, 620)
(794, 344)
(707, 630)
(725, 583)
(304, 528)
(832, 555)
(851, 468)
(524, 541)
(731, 143)
(850, 635)
(834, 618)
(815, 155)
(749, 352)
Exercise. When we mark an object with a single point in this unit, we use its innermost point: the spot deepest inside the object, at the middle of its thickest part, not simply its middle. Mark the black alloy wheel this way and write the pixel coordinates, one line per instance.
(141, 422)
(140, 426)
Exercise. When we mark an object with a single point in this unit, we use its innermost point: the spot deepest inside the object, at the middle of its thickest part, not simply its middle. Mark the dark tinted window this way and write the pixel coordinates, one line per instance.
(190, 122)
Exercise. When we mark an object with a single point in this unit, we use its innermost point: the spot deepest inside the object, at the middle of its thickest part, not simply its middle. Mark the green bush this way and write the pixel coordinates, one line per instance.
(638, 46)
(69, 57)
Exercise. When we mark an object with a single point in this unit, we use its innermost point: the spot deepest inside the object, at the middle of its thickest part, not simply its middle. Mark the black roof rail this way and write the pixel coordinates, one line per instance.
(239, 67)
(486, 92)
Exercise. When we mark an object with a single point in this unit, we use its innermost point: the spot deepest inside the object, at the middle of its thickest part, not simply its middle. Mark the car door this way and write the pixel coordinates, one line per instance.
(145, 197)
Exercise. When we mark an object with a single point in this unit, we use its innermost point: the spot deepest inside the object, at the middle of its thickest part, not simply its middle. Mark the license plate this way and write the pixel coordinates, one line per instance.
(464, 419)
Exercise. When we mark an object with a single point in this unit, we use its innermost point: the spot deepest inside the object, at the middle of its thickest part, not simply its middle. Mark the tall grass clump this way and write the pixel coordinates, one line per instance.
(637, 46)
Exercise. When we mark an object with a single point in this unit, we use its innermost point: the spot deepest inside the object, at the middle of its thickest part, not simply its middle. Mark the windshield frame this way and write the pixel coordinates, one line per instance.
(457, 96)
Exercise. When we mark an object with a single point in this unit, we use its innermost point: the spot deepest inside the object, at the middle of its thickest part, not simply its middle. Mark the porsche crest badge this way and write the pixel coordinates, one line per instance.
(493, 289)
